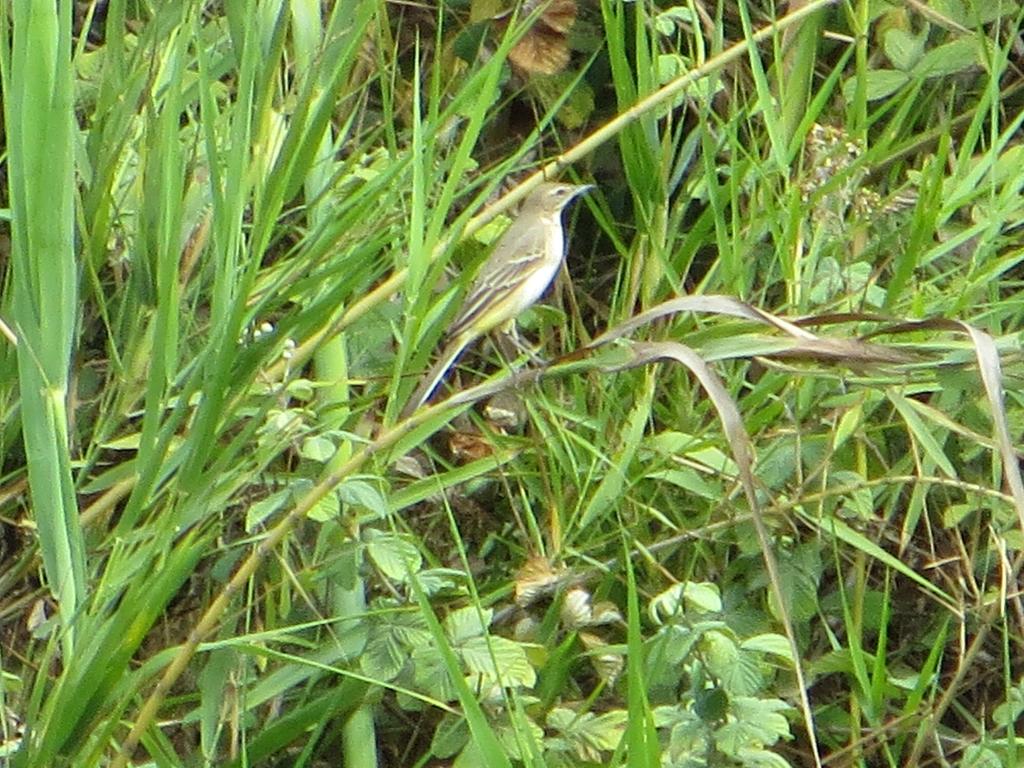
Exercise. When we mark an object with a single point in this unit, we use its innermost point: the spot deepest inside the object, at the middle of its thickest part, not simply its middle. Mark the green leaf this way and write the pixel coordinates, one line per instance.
(587, 734)
(576, 95)
(777, 645)
(702, 597)
(688, 735)
(976, 756)
(515, 737)
(359, 493)
(757, 723)
(670, 66)
(609, 491)
(711, 704)
(327, 508)
(800, 573)
(442, 580)
(508, 665)
(483, 736)
(689, 480)
(432, 674)
(879, 83)
(388, 647)
(264, 508)
(668, 21)
(740, 674)
(671, 646)
(721, 654)
(450, 736)
(468, 622)
(903, 48)
(396, 556)
(1008, 712)
(951, 58)
(752, 757)
(318, 449)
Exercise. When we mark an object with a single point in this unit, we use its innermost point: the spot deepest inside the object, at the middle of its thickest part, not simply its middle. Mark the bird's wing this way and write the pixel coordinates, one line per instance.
(506, 269)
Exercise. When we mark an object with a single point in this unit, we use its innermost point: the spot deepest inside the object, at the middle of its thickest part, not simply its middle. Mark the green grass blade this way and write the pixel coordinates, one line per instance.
(41, 135)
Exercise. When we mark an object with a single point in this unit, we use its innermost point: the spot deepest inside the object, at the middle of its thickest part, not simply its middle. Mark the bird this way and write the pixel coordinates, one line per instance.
(518, 271)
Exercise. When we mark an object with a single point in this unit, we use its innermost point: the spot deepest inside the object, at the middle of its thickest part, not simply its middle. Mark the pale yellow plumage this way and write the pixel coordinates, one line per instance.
(516, 274)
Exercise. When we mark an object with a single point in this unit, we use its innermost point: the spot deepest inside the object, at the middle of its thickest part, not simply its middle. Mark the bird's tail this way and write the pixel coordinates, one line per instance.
(449, 356)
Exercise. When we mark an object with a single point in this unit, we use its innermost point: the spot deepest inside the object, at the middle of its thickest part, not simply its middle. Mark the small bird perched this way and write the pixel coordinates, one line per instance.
(516, 274)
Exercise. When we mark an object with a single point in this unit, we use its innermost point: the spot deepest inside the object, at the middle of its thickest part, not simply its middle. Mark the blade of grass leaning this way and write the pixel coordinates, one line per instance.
(641, 738)
(35, 57)
(794, 75)
(928, 679)
(159, 231)
(990, 367)
(766, 102)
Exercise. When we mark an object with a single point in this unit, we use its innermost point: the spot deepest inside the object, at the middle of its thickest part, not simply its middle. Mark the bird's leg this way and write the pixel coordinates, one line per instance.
(511, 345)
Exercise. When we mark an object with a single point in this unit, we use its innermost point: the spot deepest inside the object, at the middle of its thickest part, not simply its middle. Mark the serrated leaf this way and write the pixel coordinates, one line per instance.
(711, 704)
(740, 674)
(800, 573)
(587, 734)
(671, 645)
(955, 11)
(1008, 712)
(687, 735)
(358, 493)
(702, 596)
(437, 580)
(395, 556)
(384, 656)
(327, 508)
(670, 66)
(758, 723)
(903, 48)
(514, 739)
(752, 757)
(450, 736)
(468, 622)
(301, 389)
(431, 673)
(513, 667)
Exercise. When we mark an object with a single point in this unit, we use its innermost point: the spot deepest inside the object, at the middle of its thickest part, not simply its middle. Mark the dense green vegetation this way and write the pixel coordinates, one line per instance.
(755, 501)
